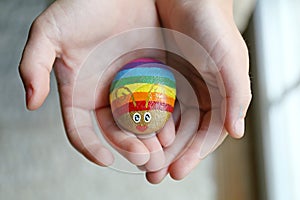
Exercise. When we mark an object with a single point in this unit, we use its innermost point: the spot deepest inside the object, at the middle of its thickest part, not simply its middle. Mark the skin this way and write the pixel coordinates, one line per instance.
(212, 25)
(61, 38)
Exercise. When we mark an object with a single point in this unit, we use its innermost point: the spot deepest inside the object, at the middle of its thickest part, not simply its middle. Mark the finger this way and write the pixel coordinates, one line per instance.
(190, 159)
(236, 81)
(81, 134)
(207, 139)
(184, 165)
(126, 144)
(157, 176)
(166, 135)
(185, 133)
(176, 115)
(157, 157)
(36, 64)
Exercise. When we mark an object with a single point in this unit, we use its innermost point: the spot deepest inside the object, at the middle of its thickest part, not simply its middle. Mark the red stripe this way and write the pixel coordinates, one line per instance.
(141, 106)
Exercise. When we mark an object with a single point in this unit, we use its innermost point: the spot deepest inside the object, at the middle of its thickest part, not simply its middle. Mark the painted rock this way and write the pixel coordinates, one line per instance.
(142, 96)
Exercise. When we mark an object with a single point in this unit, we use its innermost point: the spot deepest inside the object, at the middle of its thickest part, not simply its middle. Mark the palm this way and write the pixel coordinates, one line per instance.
(69, 30)
(77, 27)
(82, 89)
(211, 24)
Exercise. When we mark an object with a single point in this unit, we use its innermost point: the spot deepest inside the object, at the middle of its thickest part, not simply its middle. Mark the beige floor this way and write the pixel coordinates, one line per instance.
(36, 160)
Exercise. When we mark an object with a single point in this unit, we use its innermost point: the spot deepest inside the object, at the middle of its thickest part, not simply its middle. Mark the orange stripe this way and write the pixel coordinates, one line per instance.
(142, 96)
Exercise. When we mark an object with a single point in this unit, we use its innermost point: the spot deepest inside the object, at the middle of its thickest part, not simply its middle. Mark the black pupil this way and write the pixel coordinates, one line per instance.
(147, 117)
(136, 117)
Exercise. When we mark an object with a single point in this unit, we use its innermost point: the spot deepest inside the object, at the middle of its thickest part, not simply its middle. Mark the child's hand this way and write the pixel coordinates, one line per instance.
(63, 36)
(211, 24)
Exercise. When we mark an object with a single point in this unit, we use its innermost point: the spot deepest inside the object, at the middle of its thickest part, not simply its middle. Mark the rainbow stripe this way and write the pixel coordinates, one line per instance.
(143, 84)
(141, 96)
(140, 105)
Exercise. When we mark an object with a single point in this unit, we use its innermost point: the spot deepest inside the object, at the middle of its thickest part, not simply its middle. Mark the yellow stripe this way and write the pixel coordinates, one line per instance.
(144, 87)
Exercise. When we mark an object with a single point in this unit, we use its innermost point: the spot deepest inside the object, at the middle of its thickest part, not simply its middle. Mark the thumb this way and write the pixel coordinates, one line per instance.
(234, 72)
(36, 64)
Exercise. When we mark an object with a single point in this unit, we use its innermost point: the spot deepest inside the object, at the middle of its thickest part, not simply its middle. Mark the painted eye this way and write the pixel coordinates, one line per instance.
(147, 117)
(136, 117)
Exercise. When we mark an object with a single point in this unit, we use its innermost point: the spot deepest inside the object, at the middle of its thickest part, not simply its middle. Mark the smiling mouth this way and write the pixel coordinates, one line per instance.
(141, 128)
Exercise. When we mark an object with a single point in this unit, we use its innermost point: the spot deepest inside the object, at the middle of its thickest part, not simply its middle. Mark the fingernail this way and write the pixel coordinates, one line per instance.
(29, 93)
(239, 127)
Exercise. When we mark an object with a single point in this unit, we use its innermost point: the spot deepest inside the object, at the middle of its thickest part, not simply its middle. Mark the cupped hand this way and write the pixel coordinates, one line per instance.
(226, 94)
(63, 36)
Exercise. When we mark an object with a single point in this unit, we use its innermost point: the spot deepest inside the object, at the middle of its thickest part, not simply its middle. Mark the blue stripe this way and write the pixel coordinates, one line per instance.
(145, 71)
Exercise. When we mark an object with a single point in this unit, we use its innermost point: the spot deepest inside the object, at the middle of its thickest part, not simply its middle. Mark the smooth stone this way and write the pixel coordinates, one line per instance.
(142, 96)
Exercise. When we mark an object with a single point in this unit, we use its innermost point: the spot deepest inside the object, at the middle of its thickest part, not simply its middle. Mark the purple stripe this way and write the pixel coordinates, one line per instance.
(138, 62)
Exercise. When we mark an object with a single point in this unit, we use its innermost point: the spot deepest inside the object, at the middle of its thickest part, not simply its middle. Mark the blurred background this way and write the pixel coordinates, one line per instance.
(37, 161)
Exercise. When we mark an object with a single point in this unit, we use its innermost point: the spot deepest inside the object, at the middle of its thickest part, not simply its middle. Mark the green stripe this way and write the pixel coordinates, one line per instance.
(143, 79)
